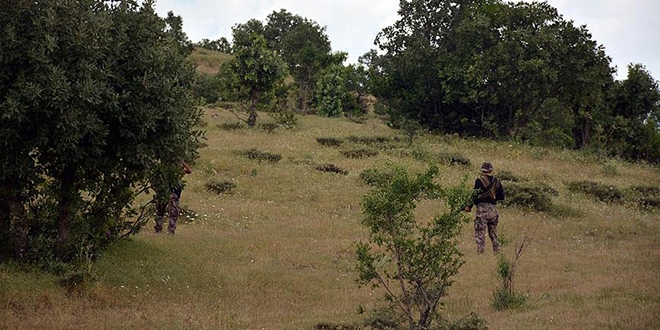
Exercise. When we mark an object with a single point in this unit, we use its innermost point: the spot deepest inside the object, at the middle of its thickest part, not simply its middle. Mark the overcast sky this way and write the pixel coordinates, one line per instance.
(629, 30)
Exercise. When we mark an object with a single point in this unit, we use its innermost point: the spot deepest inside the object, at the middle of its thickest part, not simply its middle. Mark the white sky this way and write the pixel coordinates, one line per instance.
(629, 30)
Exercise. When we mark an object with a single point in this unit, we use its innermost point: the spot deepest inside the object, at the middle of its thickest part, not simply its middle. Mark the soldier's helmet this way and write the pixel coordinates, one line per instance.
(486, 167)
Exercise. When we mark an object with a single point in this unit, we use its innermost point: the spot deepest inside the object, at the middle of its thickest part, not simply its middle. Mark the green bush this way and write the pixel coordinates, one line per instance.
(374, 177)
(603, 192)
(646, 197)
(330, 168)
(260, 155)
(527, 195)
(220, 187)
(269, 127)
(329, 141)
(359, 153)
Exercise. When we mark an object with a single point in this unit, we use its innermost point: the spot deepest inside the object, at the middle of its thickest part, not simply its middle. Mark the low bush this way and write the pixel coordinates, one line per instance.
(329, 141)
(371, 140)
(603, 192)
(374, 177)
(269, 127)
(359, 153)
(260, 155)
(331, 168)
(454, 159)
(646, 197)
(527, 195)
(220, 187)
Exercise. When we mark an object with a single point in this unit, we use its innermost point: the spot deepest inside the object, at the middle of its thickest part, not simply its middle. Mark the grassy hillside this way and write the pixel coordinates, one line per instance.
(277, 253)
(208, 61)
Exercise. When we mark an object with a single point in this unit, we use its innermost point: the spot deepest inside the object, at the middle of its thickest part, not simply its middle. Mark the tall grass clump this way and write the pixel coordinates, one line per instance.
(359, 153)
(220, 187)
(454, 159)
(329, 141)
(331, 168)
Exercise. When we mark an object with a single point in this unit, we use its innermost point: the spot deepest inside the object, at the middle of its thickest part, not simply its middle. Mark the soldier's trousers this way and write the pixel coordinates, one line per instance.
(486, 218)
(172, 209)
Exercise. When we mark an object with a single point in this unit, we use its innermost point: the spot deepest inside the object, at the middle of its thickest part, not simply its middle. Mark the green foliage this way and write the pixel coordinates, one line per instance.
(506, 297)
(374, 177)
(220, 187)
(330, 92)
(603, 192)
(218, 45)
(329, 141)
(260, 156)
(255, 71)
(359, 153)
(207, 89)
(413, 261)
(331, 168)
(96, 107)
(532, 196)
(646, 197)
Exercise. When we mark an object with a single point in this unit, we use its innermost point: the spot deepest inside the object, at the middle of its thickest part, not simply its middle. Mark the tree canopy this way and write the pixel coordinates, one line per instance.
(94, 102)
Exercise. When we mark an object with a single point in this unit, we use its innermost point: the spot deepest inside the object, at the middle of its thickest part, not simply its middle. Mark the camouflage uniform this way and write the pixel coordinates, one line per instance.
(489, 190)
(172, 209)
(487, 217)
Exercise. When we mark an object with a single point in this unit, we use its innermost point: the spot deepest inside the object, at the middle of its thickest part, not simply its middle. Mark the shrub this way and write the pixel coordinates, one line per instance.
(527, 195)
(220, 187)
(647, 197)
(359, 153)
(454, 159)
(260, 155)
(269, 127)
(374, 177)
(330, 168)
(413, 261)
(603, 192)
(329, 141)
(506, 297)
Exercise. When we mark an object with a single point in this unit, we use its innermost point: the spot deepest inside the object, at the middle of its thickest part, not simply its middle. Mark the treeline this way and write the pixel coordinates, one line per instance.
(484, 68)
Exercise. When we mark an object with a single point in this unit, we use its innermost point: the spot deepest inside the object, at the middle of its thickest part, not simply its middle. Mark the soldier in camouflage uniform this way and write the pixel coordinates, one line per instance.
(489, 190)
(170, 207)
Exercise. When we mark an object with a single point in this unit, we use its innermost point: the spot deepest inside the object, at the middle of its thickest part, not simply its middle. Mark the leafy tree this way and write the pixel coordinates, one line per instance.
(490, 68)
(306, 50)
(94, 100)
(219, 45)
(330, 92)
(632, 129)
(243, 34)
(413, 261)
(255, 71)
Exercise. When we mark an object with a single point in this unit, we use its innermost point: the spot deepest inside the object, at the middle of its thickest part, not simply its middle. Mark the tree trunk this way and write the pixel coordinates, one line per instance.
(252, 117)
(65, 205)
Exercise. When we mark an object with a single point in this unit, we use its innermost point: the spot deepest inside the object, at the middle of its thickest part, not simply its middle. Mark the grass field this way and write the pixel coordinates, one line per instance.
(278, 252)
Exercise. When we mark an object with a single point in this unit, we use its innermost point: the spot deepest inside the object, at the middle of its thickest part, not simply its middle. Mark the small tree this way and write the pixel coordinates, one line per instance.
(330, 91)
(506, 297)
(255, 71)
(413, 261)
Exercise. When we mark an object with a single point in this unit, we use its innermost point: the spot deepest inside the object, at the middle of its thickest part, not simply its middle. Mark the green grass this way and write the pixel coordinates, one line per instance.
(277, 253)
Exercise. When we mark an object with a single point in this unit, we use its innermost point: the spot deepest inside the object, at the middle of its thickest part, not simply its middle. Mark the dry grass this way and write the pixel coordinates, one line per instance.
(208, 61)
(278, 252)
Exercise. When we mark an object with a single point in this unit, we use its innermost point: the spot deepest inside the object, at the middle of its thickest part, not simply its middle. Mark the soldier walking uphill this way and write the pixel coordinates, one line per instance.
(171, 207)
(488, 191)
